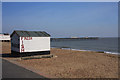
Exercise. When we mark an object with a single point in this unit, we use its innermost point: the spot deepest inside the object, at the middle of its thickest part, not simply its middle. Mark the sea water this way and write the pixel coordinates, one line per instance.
(106, 45)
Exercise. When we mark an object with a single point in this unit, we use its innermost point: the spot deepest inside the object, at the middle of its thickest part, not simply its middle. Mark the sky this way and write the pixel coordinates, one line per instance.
(62, 19)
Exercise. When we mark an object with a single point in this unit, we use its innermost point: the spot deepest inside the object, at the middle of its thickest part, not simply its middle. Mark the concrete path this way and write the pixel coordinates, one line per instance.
(10, 70)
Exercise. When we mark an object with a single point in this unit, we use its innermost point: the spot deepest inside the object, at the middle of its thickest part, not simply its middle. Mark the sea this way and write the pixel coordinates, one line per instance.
(106, 45)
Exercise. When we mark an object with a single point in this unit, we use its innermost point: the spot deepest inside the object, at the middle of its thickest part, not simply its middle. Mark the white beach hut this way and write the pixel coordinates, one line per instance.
(30, 42)
(4, 37)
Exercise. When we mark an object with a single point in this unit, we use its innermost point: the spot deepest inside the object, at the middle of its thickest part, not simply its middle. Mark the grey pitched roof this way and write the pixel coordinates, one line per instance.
(31, 33)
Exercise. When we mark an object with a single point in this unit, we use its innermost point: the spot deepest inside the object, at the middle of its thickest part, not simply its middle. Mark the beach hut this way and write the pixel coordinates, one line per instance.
(4, 37)
(30, 42)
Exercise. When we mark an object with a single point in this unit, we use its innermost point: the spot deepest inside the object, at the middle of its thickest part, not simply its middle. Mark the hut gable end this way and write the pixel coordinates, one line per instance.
(15, 42)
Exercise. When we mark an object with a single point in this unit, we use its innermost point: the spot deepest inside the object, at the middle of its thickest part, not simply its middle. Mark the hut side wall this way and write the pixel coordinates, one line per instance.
(34, 44)
(15, 43)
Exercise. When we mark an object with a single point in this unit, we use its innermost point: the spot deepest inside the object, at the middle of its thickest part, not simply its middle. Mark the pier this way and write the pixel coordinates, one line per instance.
(82, 38)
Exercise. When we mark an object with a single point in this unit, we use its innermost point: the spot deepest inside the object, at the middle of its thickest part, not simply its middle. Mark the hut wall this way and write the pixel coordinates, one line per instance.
(34, 44)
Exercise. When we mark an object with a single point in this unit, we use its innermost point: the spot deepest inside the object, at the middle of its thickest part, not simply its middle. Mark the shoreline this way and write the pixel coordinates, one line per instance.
(97, 51)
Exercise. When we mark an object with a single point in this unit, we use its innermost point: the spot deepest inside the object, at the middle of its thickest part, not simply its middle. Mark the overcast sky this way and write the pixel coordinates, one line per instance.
(73, 19)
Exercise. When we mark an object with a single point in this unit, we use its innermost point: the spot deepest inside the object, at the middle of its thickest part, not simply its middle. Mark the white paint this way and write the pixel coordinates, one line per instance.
(4, 37)
(36, 44)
